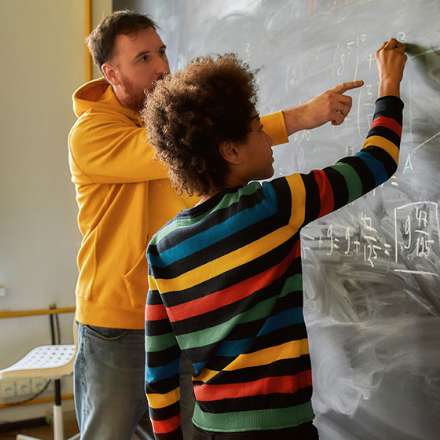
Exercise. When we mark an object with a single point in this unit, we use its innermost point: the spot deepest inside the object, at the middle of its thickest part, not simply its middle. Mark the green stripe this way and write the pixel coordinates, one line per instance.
(254, 420)
(292, 284)
(218, 332)
(158, 343)
(228, 200)
(354, 183)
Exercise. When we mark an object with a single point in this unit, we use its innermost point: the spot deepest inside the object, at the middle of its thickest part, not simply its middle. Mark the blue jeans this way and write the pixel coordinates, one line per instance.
(109, 384)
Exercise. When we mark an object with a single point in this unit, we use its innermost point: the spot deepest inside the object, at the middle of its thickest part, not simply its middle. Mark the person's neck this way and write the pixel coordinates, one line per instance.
(206, 197)
(232, 181)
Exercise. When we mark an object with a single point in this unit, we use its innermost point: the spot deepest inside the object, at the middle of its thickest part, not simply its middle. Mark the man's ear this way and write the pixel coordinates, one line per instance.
(110, 74)
(230, 152)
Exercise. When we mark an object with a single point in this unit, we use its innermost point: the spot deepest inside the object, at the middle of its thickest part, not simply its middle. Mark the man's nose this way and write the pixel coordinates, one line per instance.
(162, 66)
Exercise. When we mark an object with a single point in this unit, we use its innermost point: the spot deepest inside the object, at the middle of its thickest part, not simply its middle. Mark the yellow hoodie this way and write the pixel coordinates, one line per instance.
(124, 197)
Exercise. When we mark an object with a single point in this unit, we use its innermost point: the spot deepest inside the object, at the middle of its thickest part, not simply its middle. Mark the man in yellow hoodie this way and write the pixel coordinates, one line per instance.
(124, 196)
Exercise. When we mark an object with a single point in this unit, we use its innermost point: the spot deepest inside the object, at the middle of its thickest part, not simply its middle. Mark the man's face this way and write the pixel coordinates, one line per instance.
(138, 61)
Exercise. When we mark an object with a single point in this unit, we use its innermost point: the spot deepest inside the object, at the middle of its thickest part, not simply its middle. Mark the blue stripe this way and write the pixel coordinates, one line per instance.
(216, 233)
(198, 367)
(155, 374)
(376, 167)
(282, 319)
(234, 348)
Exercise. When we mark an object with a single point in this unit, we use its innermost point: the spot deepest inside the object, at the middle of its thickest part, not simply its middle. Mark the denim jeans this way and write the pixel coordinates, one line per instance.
(109, 384)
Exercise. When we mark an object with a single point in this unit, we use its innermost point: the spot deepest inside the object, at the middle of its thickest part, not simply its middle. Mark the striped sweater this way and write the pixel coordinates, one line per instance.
(226, 287)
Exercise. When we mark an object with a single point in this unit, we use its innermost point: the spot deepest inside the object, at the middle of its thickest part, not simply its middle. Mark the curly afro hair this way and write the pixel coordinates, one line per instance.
(190, 113)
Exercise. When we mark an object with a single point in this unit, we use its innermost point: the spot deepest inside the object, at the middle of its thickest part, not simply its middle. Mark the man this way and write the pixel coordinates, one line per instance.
(225, 277)
(124, 196)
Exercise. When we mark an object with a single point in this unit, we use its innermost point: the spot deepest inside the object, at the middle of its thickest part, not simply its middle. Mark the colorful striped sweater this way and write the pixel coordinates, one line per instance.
(226, 287)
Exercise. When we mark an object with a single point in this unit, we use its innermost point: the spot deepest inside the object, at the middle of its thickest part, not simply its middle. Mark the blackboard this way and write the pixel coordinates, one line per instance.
(372, 269)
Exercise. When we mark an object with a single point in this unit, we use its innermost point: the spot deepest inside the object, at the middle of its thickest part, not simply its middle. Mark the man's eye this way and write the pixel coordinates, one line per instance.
(163, 52)
(145, 58)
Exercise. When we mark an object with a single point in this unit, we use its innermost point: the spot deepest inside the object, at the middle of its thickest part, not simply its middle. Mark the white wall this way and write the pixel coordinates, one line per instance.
(42, 63)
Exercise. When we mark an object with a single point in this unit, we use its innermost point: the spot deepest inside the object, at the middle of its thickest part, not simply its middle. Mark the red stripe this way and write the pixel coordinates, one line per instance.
(233, 293)
(268, 385)
(166, 426)
(327, 201)
(390, 123)
(155, 312)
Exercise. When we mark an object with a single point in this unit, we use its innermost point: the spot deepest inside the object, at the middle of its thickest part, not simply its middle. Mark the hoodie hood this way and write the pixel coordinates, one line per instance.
(98, 95)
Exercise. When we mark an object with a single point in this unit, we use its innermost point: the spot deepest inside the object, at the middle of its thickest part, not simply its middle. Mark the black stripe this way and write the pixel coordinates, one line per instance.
(291, 333)
(231, 277)
(153, 297)
(159, 358)
(281, 336)
(155, 328)
(166, 412)
(390, 106)
(177, 236)
(279, 368)
(249, 329)
(175, 435)
(229, 244)
(382, 156)
(163, 386)
(385, 133)
(246, 201)
(246, 330)
(339, 187)
(253, 403)
(312, 207)
(282, 189)
(366, 176)
(305, 431)
(223, 314)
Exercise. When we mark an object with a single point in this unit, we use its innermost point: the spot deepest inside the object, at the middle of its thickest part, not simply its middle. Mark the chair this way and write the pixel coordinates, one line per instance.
(53, 362)
(50, 362)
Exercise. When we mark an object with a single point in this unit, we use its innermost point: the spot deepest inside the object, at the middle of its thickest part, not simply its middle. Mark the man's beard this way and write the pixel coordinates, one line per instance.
(135, 97)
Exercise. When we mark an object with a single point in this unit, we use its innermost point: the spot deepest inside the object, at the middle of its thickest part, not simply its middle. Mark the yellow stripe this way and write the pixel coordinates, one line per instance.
(288, 350)
(298, 192)
(385, 144)
(227, 262)
(206, 375)
(161, 400)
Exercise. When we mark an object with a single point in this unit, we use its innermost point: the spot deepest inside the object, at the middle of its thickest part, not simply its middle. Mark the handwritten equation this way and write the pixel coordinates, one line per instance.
(416, 238)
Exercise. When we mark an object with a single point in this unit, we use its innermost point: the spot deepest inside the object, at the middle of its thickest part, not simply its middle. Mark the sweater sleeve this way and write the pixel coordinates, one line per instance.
(161, 369)
(320, 192)
(275, 126)
(109, 148)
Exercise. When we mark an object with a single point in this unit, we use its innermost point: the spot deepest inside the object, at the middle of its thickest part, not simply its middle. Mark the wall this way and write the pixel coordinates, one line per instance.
(42, 63)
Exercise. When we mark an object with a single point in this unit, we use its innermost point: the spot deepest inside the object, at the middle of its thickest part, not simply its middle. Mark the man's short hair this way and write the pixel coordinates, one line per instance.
(190, 113)
(101, 41)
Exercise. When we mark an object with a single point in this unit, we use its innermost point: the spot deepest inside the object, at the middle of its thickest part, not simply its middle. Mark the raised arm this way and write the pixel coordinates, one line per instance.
(321, 191)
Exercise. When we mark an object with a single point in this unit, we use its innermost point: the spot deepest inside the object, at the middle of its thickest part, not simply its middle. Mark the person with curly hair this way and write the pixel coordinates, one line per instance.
(225, 278)
(124, 196)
